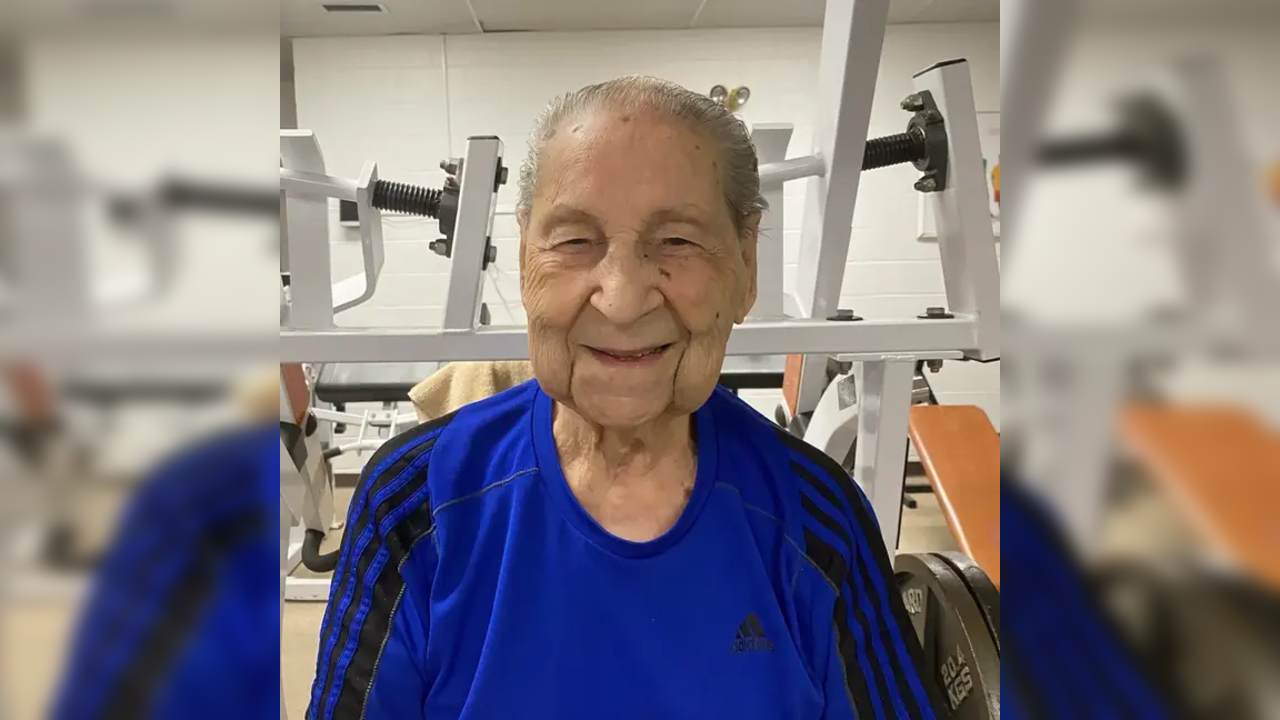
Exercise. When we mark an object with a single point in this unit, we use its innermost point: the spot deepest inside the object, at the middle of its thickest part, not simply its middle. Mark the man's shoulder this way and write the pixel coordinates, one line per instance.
(810, 494)
(458, 454)
(756, 440)
(497, 414)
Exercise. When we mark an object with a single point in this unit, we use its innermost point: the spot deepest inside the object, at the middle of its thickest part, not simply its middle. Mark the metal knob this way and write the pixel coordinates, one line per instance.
(935, 313)
(844, 315)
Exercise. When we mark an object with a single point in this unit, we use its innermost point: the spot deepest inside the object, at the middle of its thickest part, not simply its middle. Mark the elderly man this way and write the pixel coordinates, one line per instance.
(619, 538)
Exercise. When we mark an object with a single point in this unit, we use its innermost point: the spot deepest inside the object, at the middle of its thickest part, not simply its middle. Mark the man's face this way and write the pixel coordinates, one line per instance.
(631, 270)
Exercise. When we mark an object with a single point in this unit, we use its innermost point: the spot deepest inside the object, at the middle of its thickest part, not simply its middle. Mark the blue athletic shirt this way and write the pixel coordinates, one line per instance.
(471, 584)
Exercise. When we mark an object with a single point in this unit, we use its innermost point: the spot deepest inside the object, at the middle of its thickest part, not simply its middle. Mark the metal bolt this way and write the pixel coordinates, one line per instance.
(844, 315)
(935, 313)
(450, 165)
(440, 247)
(934, 365)
(926, 184)
(912, 103)
(490, 255)
(502, 176)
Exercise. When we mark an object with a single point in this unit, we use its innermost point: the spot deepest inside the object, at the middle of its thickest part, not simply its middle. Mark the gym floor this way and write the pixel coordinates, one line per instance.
(34, 631)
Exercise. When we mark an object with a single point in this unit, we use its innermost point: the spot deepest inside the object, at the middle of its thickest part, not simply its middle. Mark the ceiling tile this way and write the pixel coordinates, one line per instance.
(506, 15)
(761, 13)
(307, 18)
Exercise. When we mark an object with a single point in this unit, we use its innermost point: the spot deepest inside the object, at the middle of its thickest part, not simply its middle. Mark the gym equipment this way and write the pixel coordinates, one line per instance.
(960, 451)
(955, 611)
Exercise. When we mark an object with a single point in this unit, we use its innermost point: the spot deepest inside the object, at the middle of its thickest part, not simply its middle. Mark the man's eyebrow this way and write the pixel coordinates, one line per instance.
(567, 215)
(674, 215)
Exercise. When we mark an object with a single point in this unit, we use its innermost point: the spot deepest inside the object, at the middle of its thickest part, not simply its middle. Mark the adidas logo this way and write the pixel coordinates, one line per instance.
(751, 636)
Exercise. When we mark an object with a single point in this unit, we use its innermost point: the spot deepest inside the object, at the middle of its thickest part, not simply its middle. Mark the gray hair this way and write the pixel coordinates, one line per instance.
(741, 167)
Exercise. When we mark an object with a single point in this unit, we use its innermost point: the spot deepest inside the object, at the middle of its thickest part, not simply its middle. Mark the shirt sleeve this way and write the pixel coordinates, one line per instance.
(374, 636)
(870, 667)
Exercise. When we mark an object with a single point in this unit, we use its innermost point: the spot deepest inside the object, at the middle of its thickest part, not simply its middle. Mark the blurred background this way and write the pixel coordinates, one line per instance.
(136, 328)
(1141, 379)
(1137, 400)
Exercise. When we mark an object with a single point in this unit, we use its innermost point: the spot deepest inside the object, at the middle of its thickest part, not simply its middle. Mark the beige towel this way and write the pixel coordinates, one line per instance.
(459, 383)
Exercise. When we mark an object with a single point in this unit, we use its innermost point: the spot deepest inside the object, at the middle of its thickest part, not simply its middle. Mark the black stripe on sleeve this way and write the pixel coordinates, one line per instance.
(837, 480)
(824, 518)
(822, 488)
(832, 565)
(386, 592)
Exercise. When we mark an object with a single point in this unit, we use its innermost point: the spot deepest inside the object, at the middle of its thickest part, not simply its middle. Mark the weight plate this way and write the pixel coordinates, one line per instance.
(959, 652)
(984, 591)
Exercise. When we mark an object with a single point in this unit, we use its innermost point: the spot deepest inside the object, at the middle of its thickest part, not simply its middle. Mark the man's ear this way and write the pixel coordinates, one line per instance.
(748, 238)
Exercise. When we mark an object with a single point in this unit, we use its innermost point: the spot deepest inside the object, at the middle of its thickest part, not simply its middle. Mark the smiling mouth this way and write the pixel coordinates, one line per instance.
(644, 356)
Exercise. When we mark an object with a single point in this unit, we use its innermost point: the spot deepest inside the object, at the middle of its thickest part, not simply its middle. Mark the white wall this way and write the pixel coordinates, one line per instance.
(410, 101)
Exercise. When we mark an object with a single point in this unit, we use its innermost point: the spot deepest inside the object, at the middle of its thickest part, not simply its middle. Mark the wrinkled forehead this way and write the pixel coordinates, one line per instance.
(629, 159)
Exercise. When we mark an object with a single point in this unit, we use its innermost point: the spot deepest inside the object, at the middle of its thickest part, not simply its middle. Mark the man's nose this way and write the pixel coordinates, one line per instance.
(628, 287)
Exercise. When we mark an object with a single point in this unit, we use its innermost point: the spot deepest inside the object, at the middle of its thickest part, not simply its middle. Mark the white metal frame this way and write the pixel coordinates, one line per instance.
(313, 297)
(852, 43)
(891, 337)
(971, 276)
(966, 242)
(478, 192)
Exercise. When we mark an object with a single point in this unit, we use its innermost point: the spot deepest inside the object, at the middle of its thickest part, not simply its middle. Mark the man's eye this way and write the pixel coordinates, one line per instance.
(677, 242)
(574, 242)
